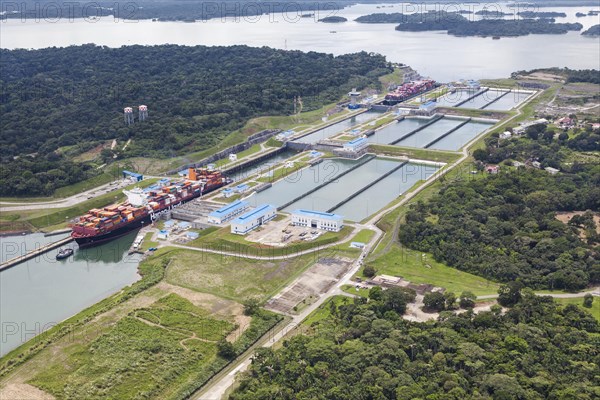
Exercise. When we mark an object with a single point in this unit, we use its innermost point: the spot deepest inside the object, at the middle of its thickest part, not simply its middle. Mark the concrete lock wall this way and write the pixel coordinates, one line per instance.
(258, 137)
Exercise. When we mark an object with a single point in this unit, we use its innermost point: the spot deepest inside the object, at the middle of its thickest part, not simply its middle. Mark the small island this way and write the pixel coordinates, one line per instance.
(456, 24)
(333, 20)
(492, 13)
(592, 31)
(579, 15)
(541, 14)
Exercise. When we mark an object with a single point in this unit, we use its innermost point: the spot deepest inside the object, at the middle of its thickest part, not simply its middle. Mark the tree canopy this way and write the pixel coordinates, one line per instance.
(504, 226)
(537, 350)
(58, 101)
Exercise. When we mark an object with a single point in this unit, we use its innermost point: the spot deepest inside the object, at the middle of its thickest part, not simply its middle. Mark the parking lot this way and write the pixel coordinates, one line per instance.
(282, 233)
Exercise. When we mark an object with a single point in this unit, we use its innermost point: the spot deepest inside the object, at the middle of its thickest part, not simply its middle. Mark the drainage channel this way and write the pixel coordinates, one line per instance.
(471, 97)
(369, 185)
(496, 99)
(409, 134)
(457, 127)
(366, 160)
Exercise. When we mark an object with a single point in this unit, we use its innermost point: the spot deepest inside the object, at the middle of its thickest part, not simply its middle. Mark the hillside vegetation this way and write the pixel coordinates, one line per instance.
(503, 226)
(537, 350)
(60, 102)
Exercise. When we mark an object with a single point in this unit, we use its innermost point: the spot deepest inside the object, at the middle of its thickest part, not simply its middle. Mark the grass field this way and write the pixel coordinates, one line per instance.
(595, 310)
(245, 153)
(420, 154)
(324, 311)
(363, 236)
(223, 240)
(416, 268)
(235, 278)
(350, 289)
(161, 347)
(147, 243)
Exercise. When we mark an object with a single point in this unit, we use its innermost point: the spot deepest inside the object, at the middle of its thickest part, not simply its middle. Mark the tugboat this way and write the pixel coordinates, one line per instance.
(64, 253)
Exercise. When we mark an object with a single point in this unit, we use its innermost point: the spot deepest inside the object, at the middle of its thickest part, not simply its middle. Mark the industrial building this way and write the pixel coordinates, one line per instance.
(133, 176)
(356, 145)
(253, 219)
(227, 212)
(427, 108)
(318, 220)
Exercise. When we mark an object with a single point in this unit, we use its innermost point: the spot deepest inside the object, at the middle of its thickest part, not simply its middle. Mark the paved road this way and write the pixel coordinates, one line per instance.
(594, 292)
(6, 206)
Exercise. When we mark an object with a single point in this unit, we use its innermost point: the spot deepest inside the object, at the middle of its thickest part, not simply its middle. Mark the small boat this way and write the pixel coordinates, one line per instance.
(332, 31)
(496, 37)
(64, 253)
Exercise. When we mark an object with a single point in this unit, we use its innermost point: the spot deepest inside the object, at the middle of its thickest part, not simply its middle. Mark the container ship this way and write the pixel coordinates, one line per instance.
(142, 207)
(408, 90)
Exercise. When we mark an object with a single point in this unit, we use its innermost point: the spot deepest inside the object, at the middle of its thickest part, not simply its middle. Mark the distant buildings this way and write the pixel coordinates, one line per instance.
(565, 122)
(318, 220)
(253, 219)
(492, 169)
(505, 135)
(552, 171)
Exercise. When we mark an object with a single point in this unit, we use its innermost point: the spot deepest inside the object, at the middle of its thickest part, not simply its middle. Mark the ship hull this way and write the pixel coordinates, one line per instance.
(96, 240)
(89, 241)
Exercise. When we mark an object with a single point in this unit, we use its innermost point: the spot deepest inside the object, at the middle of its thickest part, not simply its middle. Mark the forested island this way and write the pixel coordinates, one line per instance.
(592, 31)
(363, 349)
(456, 24)
(73, 100)
(541, 14)
(333, 19)
(161, 10)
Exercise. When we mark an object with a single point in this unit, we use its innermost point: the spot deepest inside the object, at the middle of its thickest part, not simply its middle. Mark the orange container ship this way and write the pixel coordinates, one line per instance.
(142, 207)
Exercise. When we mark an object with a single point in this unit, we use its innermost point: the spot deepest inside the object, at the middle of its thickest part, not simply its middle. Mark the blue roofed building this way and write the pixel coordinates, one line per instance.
(319, 220)
(227, 212)
(428, 107)
(133, 176)
(356, 145)
(253, 219)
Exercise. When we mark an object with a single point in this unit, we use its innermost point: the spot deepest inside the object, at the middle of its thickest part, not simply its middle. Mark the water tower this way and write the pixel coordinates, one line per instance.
(143, 113)
(128, 115)
(354, 94)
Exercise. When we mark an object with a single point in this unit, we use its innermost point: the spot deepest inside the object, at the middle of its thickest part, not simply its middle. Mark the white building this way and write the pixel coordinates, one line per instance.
(233, 157)
(253, 219)
(356, 145)
(318, 220)
(552, 171)
(227, 212)
(505, 135)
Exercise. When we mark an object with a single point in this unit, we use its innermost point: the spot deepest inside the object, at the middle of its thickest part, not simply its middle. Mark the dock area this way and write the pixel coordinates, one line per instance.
(34, 253)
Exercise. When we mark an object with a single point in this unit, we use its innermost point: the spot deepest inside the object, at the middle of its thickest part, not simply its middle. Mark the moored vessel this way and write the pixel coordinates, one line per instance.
(143, 206)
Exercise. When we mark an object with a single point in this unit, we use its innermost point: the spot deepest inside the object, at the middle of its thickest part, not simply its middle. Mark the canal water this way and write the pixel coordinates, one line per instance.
(396, 130)
(461, 136)
(263, 166)
(338, 127)
(338, 189)
(505, 103)
(41, 292)
(511, 100)
(300, 182)
(433, 131)
(385, 191)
